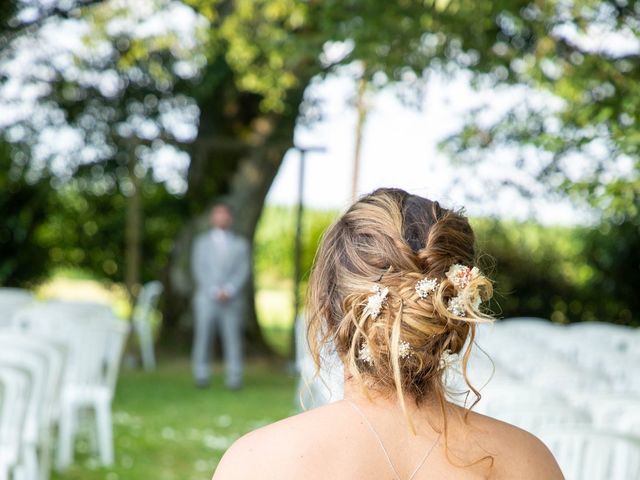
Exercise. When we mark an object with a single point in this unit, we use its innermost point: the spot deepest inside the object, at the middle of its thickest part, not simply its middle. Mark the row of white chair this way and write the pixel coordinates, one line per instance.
(71, 354)
(547, 355)
(14, 299)
(570, 385)
(14, 390)
(34, 363)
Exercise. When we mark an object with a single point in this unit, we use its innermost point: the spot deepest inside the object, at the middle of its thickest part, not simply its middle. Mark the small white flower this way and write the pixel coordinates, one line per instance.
(447, 359)
(456, 306)
(404, 349)
(376, 301)
(461, 275)
(364, 354)
(476, 301)
(425, 286)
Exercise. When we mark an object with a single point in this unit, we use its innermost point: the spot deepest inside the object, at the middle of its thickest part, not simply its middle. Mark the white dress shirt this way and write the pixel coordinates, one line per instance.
(220, 239)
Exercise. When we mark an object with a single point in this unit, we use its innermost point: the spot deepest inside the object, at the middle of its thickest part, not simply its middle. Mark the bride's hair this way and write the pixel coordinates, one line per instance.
(393, 239)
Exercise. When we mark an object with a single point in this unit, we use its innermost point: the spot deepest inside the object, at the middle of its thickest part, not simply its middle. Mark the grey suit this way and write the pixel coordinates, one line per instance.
(215, 266)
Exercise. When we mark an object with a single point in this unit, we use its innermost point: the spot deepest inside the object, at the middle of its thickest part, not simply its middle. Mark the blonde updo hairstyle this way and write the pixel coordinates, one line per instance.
(394, 239)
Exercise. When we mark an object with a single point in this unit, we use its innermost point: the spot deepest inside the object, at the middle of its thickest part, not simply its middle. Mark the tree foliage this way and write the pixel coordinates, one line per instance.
(585, 55)
(236, 86)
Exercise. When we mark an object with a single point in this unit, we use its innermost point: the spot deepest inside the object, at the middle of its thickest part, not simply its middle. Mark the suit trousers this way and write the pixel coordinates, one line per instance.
(211, 319)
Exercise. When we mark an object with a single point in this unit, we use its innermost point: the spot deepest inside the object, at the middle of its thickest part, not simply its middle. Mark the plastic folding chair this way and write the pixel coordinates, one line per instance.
(584, 453)
(325, 387)
(496, 398)
(147, 302)
(12, 300)
(95, 340)
(14, 397)
(536, 418)
(54, 355)
(36, 423)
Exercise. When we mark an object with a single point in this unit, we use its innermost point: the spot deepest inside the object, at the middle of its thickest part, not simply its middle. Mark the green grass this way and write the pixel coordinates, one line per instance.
(166, 429)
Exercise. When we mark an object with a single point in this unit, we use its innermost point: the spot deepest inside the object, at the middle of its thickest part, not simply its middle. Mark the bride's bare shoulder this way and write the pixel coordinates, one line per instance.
(514, 450)
(290, 445)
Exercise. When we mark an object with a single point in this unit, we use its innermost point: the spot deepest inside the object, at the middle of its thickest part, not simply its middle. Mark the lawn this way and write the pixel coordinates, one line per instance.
(166, 429)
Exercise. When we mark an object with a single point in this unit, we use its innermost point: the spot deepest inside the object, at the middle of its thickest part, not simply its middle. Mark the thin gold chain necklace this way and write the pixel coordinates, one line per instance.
(386, 454)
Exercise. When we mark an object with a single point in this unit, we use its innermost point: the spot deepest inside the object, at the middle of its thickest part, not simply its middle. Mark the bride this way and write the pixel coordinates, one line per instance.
(395, 289)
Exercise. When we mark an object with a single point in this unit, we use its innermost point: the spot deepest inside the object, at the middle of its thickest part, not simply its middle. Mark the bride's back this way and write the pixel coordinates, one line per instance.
(396, 292)
(334, 442)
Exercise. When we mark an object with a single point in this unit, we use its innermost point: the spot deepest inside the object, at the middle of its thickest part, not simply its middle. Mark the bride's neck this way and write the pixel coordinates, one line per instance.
(356, 392)
(426, 415)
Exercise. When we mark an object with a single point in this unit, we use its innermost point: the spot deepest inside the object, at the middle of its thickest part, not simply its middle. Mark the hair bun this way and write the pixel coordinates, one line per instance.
(450, 240)
(393, 337)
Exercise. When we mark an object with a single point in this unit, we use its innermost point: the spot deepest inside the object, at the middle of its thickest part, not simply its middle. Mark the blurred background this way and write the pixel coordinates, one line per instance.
(121, 121)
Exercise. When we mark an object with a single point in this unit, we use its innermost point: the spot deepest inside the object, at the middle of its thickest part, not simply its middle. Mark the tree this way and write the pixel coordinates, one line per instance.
(259, 57)
(262, 57)
(585, 57)
(581, 137)
(24, 207)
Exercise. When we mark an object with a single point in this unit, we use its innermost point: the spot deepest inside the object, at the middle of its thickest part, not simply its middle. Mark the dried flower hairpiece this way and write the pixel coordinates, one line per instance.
(404, 351)
(364, 354)
(456, 306)
(425, 286)
(461, 276)
(376, 301)
(447, 359)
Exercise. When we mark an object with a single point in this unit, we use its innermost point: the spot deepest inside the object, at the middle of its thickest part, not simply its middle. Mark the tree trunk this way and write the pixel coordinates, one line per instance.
(236, 156)
(361, 108)
(133, 234)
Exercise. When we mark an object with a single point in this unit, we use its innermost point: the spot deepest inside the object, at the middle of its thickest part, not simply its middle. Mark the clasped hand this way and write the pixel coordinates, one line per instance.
(222, 295)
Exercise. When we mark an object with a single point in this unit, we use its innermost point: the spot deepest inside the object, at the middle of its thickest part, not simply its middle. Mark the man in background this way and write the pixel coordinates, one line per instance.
(220, 264)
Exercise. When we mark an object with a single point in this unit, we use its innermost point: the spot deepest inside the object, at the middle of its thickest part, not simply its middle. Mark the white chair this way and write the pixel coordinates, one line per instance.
(587, 454)
(95, 340)
(533, 419)
(325, 387)
(618, 338)
(555, 372)
(528, 328)
(36, 422)
(497, 397)
(54, 357)
(12, 300)
(619, 413)
(14, 397)
(147, 302)
(485, 368)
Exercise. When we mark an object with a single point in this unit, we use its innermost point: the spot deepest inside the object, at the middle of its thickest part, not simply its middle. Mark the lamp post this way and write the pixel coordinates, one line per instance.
(297, 250)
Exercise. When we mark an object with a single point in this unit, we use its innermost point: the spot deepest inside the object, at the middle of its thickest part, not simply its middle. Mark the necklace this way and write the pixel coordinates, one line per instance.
(386, 454)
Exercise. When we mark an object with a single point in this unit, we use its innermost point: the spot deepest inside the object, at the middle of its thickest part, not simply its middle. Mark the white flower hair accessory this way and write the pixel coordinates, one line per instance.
(376, 301)
(404, 349)
(461, 275)
(447, 359)
(476, 301)
(456, 306)
(425, 286)
(364, 354)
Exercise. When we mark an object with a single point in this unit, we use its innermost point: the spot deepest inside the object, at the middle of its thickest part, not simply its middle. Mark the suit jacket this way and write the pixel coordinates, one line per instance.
(213, 269)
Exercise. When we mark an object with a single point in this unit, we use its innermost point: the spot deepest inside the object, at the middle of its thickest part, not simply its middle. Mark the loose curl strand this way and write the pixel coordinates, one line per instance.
(394, 239)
